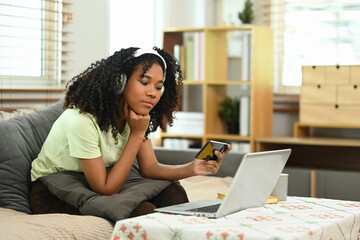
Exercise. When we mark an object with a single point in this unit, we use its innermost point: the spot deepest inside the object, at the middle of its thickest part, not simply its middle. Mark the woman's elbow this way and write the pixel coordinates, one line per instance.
(145, 174)
(104, 191)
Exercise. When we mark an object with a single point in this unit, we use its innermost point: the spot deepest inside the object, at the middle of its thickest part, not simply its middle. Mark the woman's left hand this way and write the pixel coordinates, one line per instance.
(204, 167)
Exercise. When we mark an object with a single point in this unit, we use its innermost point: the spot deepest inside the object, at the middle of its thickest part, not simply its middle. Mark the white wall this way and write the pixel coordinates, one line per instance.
(90, 37)
(189, 13)
(90, 26)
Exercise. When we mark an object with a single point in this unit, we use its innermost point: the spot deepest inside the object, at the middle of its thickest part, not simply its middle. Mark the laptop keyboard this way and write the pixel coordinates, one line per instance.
(209, 209)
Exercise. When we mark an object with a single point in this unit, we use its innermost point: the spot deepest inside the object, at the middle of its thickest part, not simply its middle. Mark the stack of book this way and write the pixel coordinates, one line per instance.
(243, 147)
(180, 143)
(187, 123)
(244, 116)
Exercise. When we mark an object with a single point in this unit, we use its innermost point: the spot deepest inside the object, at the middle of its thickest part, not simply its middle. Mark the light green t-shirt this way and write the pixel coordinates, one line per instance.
(75, 135)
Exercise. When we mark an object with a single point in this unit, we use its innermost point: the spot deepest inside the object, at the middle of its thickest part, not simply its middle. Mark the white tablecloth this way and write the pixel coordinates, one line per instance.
(296, 218)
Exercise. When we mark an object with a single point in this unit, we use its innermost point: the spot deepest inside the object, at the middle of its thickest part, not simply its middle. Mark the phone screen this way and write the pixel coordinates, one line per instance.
(207, 152)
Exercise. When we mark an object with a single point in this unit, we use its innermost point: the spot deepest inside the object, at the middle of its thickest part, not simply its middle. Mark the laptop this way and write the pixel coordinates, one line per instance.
(251, 187)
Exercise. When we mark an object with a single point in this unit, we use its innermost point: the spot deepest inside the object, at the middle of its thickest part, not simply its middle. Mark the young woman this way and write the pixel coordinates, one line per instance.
(110, 109)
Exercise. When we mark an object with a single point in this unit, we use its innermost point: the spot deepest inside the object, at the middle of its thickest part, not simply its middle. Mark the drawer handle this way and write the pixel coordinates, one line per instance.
(318, 86)
(314, 67)
(355, 86)
(337, 66)
(336, 106)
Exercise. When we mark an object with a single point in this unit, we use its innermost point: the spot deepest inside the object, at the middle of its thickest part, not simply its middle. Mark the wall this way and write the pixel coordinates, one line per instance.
(90, 35)
(91, 26)
(189, 13)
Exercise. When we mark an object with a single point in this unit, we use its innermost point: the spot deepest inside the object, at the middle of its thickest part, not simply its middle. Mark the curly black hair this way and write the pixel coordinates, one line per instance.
(97, 89)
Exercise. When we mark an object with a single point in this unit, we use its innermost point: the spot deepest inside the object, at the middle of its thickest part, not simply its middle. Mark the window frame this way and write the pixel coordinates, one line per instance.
(276, 12)
(51, 27)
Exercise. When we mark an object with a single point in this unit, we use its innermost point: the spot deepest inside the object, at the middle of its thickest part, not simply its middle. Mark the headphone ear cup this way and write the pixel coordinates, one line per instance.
(122, 82)
(162, 90)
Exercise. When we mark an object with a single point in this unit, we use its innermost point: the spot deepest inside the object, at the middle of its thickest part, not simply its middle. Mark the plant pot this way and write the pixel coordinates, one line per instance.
(232, 127)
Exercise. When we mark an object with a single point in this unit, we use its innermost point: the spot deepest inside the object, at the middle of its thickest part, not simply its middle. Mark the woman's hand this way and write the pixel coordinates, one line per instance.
(204, 167)
(138, 123)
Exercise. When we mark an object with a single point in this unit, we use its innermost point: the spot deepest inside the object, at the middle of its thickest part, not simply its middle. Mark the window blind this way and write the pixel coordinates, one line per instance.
(313, 32)
(33, 49)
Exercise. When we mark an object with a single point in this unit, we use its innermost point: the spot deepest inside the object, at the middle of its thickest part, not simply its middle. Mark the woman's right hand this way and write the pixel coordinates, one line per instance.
(138, 123)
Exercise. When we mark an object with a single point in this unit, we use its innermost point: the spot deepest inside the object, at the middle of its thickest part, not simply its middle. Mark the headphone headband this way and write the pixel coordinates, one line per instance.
(142, 51)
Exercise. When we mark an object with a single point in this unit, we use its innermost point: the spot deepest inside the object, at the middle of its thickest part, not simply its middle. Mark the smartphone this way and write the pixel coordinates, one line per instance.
(207, 151)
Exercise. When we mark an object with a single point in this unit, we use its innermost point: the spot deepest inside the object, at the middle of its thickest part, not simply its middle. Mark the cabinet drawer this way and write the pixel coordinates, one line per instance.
(313, 74)
(315, 113)
(318, 94)
(337, 75)
(348, 95)
(355, 74)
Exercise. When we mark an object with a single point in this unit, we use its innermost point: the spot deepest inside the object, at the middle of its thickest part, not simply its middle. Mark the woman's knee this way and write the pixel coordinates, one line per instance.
(43, 201)
(173, 194)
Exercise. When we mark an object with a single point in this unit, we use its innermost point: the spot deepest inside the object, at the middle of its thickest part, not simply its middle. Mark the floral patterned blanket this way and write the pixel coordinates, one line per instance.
(296, 218)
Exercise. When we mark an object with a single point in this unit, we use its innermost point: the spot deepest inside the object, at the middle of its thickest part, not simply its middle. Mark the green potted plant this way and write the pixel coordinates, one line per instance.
(247, 15)
(229, 112)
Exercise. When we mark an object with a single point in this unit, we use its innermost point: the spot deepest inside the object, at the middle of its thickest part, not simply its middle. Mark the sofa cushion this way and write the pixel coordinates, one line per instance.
(181, 156)
(21, 139)
(17, 225)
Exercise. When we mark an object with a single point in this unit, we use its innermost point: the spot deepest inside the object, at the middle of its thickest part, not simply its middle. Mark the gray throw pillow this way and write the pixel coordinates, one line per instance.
(21, 139)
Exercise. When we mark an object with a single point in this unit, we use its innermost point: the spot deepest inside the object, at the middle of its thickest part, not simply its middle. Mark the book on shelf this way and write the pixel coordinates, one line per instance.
(246, 56)
(244, 121)
(177, 52)
(176, 143)
(199, 50)
(243, 147)
(191, 56)
(183, 59)
(181, 143)
(180, 55)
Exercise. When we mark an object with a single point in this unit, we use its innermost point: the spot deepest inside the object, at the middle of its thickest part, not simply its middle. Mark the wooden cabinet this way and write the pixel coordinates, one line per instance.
(230, 66)
(330, 95)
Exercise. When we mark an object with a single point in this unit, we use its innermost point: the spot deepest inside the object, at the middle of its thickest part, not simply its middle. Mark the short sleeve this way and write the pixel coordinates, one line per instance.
(83, 135)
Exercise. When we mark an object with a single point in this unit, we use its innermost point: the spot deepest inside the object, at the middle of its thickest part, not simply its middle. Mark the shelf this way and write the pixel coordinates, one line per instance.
(318, 141)
(316, 153)
(232, 61)
(229, 83)
(302, 129)
(326, 125)
(167, 135)
(209, 83)
(192, 82)
(228, 137)
(176, 30)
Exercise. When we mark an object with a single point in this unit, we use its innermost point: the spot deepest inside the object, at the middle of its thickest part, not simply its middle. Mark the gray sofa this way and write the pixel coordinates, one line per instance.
(21, 139)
